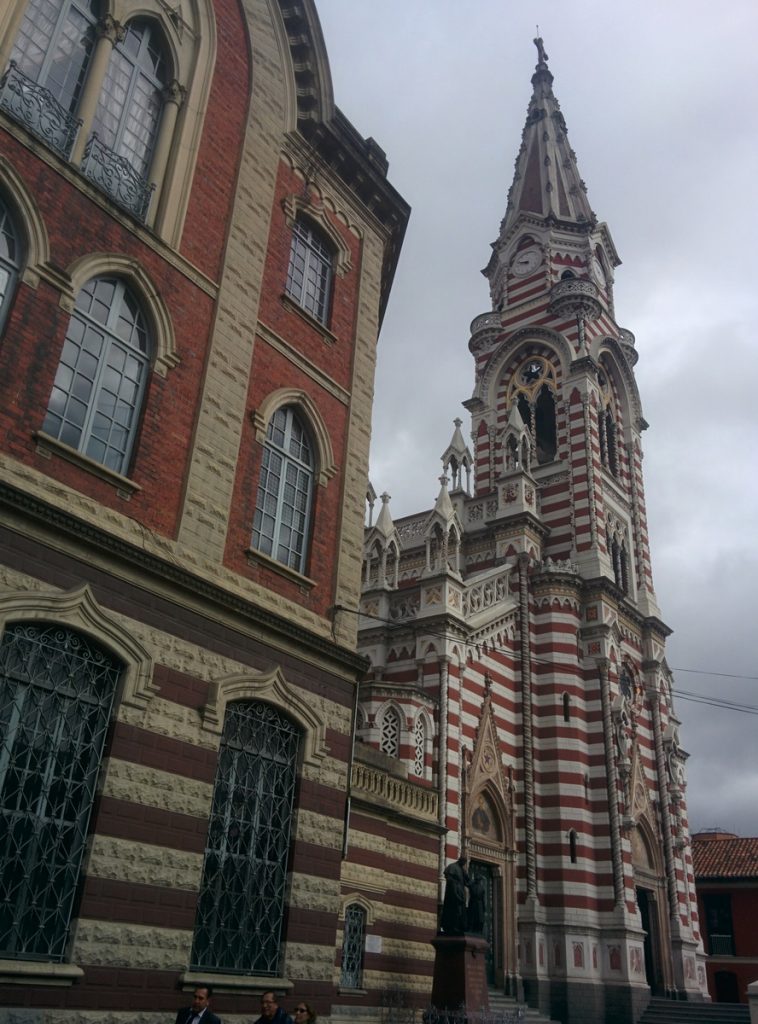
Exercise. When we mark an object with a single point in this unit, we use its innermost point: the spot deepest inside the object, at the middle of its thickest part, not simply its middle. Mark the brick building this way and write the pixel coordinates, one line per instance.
(196, 249)
(726, 878)
(519, 679)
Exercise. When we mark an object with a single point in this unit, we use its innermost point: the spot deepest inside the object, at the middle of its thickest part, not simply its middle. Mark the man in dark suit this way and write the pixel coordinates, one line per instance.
(200, 1011)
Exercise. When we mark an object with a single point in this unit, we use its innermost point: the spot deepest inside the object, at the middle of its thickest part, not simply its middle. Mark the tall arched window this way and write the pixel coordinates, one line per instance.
(607, 426)
(353, 945)
(533, 386)
(100, 383)
(283, 506)
(56, 692)
(240, 908)
(390, 741)
(309, 276)
(128, 115)
(419, 744)
(50, 59)
(10, 259)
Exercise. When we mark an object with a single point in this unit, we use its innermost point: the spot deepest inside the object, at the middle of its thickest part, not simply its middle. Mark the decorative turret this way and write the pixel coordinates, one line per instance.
(443, 535)
(457, 458)
(381, 551)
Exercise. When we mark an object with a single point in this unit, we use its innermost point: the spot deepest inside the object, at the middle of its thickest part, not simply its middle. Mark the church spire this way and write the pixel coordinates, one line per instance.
(546, 182)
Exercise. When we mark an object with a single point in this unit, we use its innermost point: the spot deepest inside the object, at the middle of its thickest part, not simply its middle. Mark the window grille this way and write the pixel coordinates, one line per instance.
(56, 693)
(241, 902)
(309, 276)
(353, 945)
(97, 394)
(282, 513)
(390, 741)
(10, 259)
(419, 739)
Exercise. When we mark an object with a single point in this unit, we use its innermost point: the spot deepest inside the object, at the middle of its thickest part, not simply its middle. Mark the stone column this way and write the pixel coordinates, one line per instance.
(526, 705)
(109, 33)
(611, 775)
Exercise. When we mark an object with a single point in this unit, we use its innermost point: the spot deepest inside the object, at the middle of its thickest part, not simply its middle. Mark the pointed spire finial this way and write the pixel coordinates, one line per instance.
(542, 57)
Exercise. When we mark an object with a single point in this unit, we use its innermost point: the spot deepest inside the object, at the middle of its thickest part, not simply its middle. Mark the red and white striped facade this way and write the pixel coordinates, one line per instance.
(517, 652)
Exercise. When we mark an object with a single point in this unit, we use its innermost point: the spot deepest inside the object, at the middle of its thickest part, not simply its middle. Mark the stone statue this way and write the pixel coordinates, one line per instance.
(475, 915)
(453, 920)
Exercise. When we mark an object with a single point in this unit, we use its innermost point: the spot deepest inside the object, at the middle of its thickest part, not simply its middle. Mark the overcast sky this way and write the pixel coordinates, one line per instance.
(660, 103)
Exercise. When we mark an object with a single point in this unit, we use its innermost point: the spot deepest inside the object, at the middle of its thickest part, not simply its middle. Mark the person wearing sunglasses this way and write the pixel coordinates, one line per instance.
(304, 1013)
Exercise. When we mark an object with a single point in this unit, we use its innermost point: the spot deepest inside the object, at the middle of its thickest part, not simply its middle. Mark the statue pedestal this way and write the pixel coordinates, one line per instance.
(460, 972)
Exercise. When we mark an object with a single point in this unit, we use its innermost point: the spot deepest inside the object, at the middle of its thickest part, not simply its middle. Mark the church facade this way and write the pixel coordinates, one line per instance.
(518, 672)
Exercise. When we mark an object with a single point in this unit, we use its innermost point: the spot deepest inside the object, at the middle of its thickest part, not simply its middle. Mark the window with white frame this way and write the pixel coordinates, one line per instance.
(56, 692)
(100, 383)
(309, 276)
(240, 908)
(390, 739)
(10, 259)
(283, 506)
(353, 946)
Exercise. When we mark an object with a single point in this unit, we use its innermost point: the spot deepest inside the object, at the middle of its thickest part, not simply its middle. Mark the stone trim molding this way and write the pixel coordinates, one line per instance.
(273, 688)
(79, 610)
(165, 355)
(32, 972)
(367, 905)
(326, 467)
(35, 239)
(297, 205)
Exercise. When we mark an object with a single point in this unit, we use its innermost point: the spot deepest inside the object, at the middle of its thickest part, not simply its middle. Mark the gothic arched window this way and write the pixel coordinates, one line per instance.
(310, 271)
(10, 259)
(419, 747)
(533, 387)
(51, 56)
(240, 907)
(390, 739)
(99, 387)
(353, 946)
(607, 427)
(285, 491)
(56, 692)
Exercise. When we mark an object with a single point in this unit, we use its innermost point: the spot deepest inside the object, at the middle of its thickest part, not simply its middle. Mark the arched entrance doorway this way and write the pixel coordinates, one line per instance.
(650, 891)
(488, 840)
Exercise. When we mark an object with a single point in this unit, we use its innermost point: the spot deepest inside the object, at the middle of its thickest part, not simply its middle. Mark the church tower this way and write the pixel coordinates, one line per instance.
(522, 624)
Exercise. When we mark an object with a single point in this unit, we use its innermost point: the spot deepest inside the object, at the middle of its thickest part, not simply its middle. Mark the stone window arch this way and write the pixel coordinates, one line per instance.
(533, 387)
(11, 257)
(607, 425)
(389, 741)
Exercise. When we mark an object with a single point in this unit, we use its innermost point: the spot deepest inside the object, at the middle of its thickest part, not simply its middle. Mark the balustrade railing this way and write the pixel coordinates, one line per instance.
(404, 795)
(38, 110)
(115, 176)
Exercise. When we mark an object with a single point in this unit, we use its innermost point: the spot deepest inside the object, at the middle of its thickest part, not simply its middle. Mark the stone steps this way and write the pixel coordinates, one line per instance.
(672, 1011)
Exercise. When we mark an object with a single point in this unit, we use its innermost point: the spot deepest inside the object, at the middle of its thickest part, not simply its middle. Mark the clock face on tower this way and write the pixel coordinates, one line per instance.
(597, 271)
(525, 262)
